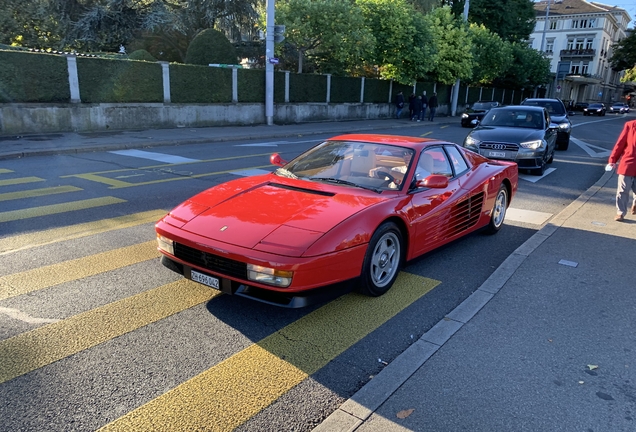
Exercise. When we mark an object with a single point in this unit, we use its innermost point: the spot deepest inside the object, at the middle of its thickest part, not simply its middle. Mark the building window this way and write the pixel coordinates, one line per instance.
(585, 68)
(553, 24)
(589, 43)
(549, 46)
(575, 69)
(592, 23)
(575, 24)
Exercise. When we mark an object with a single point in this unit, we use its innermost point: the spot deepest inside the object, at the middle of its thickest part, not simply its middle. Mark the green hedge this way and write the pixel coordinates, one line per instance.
(251, 85)
(119, 81)
(345, 89)
(307, 88)
(376, 91)
(200, 84)
(31, 77)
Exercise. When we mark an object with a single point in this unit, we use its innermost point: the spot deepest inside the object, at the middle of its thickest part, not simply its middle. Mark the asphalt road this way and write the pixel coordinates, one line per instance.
(95, 333)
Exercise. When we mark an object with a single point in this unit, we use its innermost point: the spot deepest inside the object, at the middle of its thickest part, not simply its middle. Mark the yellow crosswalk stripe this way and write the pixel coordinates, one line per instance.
(43, 277)
(24, 241)
(58, 208)
(37, 348)
(32, 193)
(230, 393)
(21, 180)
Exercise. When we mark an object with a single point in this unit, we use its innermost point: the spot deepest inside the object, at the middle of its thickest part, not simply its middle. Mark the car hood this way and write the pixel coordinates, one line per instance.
(505, 134)
(270, 213)
(559, 118)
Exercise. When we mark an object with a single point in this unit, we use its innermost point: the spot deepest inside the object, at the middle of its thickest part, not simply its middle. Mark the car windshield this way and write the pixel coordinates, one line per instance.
(483, 105)
(513, 118)
(553, 107)
(595, 106)
(377, 167)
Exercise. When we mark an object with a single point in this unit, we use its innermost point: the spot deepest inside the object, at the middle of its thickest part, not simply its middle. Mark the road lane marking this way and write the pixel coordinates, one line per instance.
(24, 317)
(588, 148)
(54, 235)
(37, 348)
(21, 180)
(526, 216)
(48, 210)
(5, 171)
(44, 277)
(32, 193)
(250, 172)
(426, 134)
(533, 178)
(160, 157)
(233, 391)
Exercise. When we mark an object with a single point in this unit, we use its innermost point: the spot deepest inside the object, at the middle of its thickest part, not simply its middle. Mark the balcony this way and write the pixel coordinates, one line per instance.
(584, 78)
(579, 54)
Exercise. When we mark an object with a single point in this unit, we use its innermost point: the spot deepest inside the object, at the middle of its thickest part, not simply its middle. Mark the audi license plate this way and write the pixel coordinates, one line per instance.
(205, 279)
(496, 154)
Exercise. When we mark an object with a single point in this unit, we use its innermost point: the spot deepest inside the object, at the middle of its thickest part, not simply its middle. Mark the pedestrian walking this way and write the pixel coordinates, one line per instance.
(424, 105)
(432, 107)
(625, 152)
(411, 105)
(417, 108)
(399, 104)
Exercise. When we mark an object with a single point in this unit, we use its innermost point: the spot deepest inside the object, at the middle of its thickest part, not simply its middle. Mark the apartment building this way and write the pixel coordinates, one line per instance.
(577, 36)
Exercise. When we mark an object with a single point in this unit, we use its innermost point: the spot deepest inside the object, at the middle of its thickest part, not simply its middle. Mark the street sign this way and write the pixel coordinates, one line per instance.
(273, 60)
(279, 33)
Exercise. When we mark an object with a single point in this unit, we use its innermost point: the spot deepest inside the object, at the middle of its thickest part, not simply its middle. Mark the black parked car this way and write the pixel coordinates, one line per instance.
(520, 133)
(559, 115)
(579, 106)
(476, 112)
(595, 109)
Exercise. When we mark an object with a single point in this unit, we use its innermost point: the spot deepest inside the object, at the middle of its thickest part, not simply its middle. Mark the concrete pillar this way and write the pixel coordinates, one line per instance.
(328, 88)
(234, 85)
(73, 80)
(362, 90)
(165, 73)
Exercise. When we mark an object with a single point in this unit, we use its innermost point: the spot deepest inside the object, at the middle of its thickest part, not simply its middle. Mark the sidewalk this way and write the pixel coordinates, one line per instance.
(547, 343)
(61, 143)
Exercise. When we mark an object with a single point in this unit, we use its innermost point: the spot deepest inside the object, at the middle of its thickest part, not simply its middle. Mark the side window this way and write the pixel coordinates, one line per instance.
(433, 161)
(459, 164)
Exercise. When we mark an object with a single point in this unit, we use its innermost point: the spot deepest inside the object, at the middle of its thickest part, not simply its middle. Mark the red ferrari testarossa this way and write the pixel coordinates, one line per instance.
(348, 212)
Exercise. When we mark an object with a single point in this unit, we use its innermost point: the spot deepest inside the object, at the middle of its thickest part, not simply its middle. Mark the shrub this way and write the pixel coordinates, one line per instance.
(211, 46)
(142, 54)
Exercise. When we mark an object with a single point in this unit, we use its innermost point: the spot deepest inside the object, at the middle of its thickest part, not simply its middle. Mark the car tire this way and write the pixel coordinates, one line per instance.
(564, 146)
(541, 170)
(498, 212)
(551, 157)
(382, 261)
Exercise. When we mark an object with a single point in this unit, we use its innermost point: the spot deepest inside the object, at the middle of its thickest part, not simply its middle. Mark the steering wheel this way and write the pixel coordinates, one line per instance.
(384, 174)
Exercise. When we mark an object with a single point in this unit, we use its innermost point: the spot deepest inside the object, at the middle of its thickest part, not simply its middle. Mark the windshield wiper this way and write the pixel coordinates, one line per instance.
(345, 182)
(286, 173)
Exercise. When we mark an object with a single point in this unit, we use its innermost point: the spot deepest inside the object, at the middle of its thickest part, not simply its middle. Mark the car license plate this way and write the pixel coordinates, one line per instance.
(205, 279)
(496, 154)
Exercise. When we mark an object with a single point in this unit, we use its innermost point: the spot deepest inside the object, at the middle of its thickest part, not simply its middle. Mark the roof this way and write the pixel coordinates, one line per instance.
(573, 7)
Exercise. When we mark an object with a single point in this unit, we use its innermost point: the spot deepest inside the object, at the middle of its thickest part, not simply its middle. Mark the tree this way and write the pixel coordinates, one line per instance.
(491, 55)
(513, 20)
(453, 44)
(404, 43)
(624, 57)
(529, 68)
(211, 46)
(329, 33)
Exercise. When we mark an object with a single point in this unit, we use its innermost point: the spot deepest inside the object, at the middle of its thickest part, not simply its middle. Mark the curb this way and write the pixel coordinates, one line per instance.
(150, 143)
(356, 410)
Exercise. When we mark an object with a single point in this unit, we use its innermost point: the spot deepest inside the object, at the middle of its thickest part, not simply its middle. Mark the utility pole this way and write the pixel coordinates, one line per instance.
(456, 88)
(269, 66)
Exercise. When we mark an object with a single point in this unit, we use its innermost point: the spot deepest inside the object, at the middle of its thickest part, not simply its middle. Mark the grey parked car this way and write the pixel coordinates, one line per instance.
(519, 133)
(558, 115)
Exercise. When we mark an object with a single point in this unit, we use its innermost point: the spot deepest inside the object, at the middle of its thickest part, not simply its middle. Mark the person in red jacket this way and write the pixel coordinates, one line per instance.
(625, 151)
